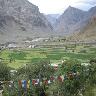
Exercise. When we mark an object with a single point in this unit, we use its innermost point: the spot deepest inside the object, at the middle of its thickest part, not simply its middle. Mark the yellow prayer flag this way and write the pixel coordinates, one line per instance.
(28, 84)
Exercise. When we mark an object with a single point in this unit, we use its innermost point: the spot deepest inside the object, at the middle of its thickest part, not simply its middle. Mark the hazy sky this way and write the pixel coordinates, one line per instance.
(58, 6)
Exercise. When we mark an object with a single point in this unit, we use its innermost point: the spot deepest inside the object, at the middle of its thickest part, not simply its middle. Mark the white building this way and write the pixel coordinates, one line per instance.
(31, 46)
(85, 64)
(12, 46)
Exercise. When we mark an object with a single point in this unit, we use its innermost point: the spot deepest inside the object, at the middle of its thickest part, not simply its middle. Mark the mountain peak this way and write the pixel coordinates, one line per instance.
(93, 8)
(70, 17)
(70, 8)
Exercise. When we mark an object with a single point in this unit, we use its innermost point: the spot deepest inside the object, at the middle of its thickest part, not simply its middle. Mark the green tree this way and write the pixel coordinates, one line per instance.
(37, 70)
(4, 72)
(91, 81)
(73, 84)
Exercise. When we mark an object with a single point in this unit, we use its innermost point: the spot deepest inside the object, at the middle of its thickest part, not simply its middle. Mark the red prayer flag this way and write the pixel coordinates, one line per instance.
(59, 78)
(20, 83)
(34, 81)
(52, 78)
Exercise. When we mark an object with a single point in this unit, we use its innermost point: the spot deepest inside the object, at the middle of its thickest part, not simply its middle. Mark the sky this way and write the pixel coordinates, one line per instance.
(59, 6)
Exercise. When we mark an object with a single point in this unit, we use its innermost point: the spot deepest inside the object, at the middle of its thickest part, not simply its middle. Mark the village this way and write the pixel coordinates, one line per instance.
(44, 42)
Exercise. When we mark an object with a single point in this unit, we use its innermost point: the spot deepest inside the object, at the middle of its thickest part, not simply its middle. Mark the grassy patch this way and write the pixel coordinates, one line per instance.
(18, 55)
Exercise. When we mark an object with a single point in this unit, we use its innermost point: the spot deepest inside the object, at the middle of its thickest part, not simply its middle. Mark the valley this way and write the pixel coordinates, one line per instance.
(50, 53)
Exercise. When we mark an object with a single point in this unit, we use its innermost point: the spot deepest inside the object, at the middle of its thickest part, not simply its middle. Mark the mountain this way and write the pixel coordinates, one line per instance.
(53, 15)
(68, 19)
(88, 30)
(88, 33)
(92, 11)
(20, 19)
(52, 18)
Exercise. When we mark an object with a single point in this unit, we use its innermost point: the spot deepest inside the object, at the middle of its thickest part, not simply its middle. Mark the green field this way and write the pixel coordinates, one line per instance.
(16, 58)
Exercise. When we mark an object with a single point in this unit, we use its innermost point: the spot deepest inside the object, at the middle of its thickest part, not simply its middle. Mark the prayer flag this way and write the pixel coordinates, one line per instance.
(62, 77)
(30, 84)
(40, 83)
(34, 81)
(20, 83)
(25, 84)
(59, 78)
(49, 81)
(46, 82)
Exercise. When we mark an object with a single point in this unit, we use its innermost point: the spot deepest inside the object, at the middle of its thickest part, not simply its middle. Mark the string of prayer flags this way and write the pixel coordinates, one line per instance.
(28, 84)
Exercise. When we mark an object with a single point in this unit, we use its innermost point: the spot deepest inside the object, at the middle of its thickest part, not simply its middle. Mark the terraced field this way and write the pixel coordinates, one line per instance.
(17, 58)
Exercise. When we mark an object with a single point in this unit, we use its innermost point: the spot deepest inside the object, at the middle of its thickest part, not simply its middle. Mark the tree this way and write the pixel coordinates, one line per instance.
(37, 70)
(4, 72)
(74, 78)
(91, 80)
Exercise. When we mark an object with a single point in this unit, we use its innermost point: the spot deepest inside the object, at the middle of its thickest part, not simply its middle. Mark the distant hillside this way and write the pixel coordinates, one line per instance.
(88, 33)
(20, 19)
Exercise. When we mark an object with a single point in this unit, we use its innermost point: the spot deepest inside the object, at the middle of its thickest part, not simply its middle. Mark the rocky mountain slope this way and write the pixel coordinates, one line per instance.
(20, 19)
(52, 18)
(92, 11)
(68, 19)
(88, 30)
(88, 33)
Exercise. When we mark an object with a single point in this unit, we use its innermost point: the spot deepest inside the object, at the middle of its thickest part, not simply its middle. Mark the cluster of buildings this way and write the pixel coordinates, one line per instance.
(32, 43)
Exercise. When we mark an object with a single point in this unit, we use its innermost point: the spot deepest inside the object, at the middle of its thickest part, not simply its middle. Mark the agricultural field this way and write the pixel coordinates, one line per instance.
(18, 57)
